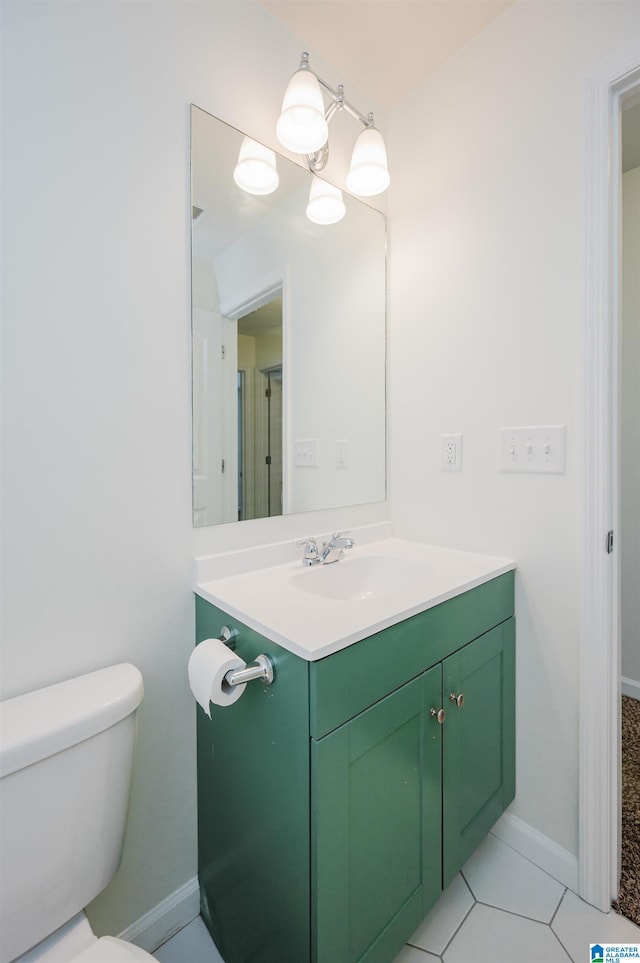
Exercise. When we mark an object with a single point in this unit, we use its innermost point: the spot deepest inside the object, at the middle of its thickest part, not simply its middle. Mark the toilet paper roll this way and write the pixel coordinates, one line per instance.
(208, 665)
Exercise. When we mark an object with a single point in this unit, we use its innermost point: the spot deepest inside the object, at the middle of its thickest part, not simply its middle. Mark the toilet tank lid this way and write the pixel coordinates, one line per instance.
(41, 723)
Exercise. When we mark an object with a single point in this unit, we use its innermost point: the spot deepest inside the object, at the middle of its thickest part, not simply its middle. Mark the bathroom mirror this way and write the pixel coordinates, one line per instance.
(288, 329)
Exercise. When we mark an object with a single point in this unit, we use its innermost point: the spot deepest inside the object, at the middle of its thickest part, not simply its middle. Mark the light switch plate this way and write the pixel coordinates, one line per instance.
(306, 453)
(533, 449)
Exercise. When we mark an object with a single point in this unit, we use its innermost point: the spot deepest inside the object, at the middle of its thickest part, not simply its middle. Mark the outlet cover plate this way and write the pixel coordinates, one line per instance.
(451, 452)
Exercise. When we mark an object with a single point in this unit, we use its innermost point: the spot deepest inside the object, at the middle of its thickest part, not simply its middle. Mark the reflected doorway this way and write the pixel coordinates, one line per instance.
(260, 472)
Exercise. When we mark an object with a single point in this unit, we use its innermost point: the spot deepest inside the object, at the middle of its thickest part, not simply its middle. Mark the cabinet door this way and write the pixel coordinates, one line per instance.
(369, 801)
(479, 743)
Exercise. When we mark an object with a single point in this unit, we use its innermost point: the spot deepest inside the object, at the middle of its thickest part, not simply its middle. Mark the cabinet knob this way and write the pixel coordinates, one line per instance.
(458, 699)
(439, 715)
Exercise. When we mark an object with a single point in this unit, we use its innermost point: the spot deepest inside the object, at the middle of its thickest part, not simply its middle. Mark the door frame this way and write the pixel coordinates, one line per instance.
(599, 761)
(260, 292)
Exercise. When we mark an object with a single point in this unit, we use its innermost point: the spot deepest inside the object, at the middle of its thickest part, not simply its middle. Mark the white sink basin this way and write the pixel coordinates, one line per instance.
(363, 577)
(318, 610)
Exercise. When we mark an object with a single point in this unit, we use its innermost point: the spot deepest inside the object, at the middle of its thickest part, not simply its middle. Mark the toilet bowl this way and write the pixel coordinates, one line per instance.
(75, 942)
(66, 756)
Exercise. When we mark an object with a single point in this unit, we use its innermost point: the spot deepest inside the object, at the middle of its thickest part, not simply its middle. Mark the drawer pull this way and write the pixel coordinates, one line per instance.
(458, 699)
(439, 715)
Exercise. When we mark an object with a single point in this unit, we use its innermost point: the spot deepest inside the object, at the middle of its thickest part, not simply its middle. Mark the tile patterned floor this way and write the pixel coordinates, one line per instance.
(499, 909)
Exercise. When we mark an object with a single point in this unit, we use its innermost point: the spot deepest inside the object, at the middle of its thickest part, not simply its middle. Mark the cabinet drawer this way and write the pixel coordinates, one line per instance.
(349, 681)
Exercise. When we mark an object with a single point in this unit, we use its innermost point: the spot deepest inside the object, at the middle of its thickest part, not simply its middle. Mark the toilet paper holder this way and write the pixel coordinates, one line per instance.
(263, 668)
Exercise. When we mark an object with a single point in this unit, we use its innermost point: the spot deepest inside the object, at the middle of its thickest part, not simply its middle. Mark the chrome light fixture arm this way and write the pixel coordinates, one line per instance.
(317, 161)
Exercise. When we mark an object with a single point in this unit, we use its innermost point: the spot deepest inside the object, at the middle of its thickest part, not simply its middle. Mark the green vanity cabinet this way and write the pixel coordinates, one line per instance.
(335, 805)
(403, 793)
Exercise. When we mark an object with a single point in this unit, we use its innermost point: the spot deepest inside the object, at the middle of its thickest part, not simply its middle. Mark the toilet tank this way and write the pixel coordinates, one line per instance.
(66, 754)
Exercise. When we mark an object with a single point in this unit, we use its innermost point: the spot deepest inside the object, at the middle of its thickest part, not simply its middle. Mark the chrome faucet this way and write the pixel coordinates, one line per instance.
(331, 551)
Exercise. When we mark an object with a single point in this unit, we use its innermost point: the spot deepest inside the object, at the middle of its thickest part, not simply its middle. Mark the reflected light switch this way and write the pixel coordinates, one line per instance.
(305, 453)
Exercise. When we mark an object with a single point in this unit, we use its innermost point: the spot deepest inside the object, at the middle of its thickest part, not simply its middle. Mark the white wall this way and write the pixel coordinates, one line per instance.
(97, 448)
(486, 302)
(630, 427)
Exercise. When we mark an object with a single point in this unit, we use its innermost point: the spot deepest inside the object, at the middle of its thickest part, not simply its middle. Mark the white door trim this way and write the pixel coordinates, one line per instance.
(599, 833)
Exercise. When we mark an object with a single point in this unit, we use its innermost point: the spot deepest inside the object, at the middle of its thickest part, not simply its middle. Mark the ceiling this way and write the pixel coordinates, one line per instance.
(385, 47)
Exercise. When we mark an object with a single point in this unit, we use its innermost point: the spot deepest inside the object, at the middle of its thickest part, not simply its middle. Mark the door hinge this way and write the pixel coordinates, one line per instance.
(610, 542)
(222, 466)
(223, 351)
(267, 460)
(267, 392)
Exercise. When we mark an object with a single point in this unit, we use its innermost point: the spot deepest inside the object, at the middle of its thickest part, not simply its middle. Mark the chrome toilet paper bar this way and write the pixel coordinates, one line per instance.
(263, 669)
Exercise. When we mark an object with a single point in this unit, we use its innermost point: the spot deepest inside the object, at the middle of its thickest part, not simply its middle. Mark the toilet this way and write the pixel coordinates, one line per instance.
(66, 755)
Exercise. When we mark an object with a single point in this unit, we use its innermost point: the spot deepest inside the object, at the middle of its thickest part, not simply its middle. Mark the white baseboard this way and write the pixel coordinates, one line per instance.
(164, 920)
(538, 848)
(630, 688)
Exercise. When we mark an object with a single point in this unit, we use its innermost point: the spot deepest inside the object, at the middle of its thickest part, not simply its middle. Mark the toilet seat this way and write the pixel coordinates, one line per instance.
(110, 950)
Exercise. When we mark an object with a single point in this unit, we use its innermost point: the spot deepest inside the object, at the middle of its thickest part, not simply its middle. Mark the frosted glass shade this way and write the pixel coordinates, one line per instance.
(256, 171)
(368, 174)
(302, 127)
(325, 203)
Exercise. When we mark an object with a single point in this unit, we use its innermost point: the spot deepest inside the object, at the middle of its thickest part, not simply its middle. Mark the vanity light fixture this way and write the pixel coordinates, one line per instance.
(303, 127)
(256, 171)
(326, 205)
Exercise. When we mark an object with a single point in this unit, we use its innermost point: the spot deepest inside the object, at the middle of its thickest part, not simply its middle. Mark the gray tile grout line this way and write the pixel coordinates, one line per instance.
(512, 912)
(521, 916)
(567, 890)
(500, 909)
(554, 878)
(458, 928)
(559, 905)
(466, 915)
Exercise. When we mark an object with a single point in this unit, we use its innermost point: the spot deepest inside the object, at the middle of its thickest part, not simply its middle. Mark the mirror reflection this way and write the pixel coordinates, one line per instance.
(288, 328)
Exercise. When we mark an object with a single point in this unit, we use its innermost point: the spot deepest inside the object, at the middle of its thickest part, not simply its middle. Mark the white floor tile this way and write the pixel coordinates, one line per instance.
(577, 924)
(444, 919)
(499, 876)
(411, 955)
(192, 944)
(492, 936)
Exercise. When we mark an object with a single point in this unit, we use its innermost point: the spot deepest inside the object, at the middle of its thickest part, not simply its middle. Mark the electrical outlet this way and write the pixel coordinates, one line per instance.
(342, 453)
(451, 452)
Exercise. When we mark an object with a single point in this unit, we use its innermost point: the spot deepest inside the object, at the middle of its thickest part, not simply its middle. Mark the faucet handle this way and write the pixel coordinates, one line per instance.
(311, 550)
(338, 536)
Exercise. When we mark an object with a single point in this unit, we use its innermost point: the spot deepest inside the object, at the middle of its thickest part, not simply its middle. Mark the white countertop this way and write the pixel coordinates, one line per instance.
(388, 580)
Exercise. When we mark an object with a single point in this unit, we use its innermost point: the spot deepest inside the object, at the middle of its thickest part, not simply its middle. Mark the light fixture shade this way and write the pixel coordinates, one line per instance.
(256, 171)
(325, 203)
(302, 127)
(368, 174)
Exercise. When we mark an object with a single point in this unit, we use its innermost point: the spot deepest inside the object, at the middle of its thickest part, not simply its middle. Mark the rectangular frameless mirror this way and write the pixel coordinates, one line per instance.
(288, 328)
